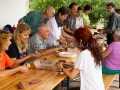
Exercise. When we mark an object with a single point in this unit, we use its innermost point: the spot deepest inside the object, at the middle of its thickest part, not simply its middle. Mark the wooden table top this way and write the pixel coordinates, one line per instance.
(50, 78)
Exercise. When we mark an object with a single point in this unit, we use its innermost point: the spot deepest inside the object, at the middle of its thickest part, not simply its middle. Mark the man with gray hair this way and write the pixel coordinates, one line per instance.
(38, 42)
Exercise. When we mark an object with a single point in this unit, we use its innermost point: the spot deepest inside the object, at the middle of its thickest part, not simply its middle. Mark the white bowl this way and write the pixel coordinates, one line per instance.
(68, 54)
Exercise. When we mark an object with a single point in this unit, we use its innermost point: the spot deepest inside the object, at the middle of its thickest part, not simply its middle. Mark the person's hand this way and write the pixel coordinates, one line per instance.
(59, 65)
(36, 54)
(27, 65)
(70, 39)
(101, 31)
(93, 27)
(23, 68)
(71, 44)
(73, 39)
(61, 37)
(60, 49)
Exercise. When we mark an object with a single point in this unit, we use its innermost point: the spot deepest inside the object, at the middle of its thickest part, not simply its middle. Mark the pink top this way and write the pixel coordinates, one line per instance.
(112, 61)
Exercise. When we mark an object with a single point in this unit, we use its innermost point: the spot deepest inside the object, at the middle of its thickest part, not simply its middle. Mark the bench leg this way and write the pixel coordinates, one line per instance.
(119, 80)
(68, 82)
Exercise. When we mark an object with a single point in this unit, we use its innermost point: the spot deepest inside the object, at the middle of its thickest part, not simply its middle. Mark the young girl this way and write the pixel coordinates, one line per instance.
(88, 62)
(18, 49)
(79, 19)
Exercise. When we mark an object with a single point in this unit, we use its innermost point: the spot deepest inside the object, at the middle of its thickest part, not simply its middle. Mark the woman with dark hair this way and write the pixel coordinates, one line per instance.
(79, 19)
(56, 23)
(87, 11)
(88, 62)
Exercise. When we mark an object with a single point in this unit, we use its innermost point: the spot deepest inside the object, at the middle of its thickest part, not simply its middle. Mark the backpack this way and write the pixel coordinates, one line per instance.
(9, 28)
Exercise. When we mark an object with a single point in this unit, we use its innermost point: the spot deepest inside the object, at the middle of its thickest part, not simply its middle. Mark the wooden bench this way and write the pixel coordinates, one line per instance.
(108, 79)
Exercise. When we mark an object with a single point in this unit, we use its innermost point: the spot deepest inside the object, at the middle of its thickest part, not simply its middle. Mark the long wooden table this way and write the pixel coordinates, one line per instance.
(50, 78)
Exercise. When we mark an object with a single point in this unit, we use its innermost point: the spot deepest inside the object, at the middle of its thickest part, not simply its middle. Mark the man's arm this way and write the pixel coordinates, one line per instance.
(67, 30)
(48, 51)
(27, 18)
(20, 21)
(67, 36)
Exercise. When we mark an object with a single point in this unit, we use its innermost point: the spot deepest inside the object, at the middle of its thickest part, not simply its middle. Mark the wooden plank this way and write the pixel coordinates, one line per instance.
(108, 79)
(50, 78)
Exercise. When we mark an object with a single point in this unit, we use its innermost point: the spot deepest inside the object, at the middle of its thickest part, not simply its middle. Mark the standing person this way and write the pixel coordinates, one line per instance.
(56, 23)
(111, 56)
(35, 18)
(87, 11)
(113, 23)
(69, 23)
(88, 62)
(18, 49)
(79, 19)
(5, 61)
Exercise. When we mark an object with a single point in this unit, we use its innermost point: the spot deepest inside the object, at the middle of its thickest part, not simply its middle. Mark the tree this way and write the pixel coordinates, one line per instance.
(98, 14)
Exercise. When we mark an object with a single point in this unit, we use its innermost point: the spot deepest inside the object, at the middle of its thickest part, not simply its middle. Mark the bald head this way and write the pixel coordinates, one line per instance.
(44, 31)
(50, 11)
(50, 8)
(43, 27)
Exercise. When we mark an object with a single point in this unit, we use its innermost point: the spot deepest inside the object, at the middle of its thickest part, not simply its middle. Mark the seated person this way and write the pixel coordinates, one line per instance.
(38, 42)
(57, 35)
(111, 61)
(5, 61)
(88, 62)
(18, 49)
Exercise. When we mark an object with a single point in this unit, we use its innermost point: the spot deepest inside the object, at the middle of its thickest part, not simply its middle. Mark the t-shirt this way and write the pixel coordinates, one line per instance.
(86, 18)
(13, 51)
(112, 61)
(79, 23)
(34, 19)
(36, 43)
(55, 31)
(70, 22)
(5, 61)
(90, 74)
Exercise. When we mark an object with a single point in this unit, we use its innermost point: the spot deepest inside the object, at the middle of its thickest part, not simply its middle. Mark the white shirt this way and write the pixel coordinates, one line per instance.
(90, 74)
(79, 23)
(55, 31)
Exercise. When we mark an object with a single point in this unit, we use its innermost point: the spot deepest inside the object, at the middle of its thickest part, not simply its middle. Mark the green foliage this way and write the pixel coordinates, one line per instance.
(98, 14)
